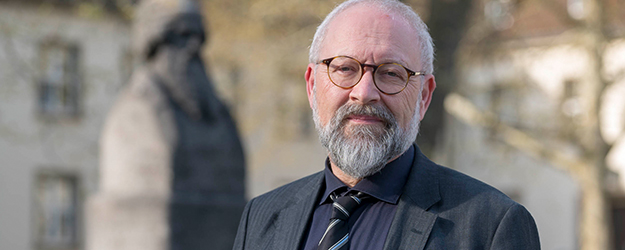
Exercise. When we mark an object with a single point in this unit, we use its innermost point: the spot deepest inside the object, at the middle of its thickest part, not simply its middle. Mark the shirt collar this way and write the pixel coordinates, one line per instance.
(385, 185)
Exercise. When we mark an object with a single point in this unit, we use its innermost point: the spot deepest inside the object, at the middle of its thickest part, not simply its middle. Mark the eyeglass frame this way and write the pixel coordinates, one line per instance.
(410, 72)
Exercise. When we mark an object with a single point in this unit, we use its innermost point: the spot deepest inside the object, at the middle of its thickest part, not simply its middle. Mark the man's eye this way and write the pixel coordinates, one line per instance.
(346, 69)
(391, 74)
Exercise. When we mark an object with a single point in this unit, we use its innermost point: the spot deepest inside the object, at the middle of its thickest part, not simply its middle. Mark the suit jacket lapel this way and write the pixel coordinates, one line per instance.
(291, 221)
(413, 223)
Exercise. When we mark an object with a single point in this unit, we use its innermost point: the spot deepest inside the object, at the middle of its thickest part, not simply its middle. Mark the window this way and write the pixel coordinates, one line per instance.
(59, 80)
(499, 13)
(56, 211)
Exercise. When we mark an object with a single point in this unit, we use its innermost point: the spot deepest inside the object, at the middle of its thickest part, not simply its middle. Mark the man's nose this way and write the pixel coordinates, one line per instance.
(365, 91)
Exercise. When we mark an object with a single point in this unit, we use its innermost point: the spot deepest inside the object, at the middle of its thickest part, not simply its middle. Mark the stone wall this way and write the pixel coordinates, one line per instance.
(44, 148)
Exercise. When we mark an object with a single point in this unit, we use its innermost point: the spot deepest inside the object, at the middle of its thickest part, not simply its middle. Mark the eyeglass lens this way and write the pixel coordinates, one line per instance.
(346, 72)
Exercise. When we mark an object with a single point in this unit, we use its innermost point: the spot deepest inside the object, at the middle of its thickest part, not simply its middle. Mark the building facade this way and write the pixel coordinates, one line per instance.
(61, 66)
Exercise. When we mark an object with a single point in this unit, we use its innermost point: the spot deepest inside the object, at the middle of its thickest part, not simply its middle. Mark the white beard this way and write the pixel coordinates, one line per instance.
(363, 150)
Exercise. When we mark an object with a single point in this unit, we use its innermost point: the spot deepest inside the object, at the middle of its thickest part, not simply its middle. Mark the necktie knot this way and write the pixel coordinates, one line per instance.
(336, 236)
(344, 206)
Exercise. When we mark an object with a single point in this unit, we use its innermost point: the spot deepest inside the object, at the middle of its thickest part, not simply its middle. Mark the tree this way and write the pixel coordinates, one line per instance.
(588, 167)
(448, 23)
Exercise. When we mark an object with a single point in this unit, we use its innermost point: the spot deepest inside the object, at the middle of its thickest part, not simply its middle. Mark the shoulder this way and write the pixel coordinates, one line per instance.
(467, 199)
(141, 110)
(454, 185)
(471, 209)
(143, 86)
(448, 190)
(460, 197)
(445, 189)
(142, 94)
(485, 212)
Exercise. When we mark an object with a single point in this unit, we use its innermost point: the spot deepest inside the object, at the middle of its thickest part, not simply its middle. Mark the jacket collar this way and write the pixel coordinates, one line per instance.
(422, 187)
(289, 222)
(413, 223)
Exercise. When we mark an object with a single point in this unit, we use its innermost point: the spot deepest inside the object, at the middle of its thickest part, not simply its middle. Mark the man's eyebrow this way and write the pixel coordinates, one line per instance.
(402, 62)
(383, 61)
(399, 61)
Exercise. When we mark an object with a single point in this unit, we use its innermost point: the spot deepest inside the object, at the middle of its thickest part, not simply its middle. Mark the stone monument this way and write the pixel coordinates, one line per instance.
(172, 166)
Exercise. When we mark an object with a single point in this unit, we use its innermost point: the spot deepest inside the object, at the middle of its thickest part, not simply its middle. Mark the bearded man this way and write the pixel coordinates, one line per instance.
(369, 84)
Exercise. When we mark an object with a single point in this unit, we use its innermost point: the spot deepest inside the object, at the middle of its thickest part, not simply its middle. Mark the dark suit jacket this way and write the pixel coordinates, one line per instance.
(439, 209)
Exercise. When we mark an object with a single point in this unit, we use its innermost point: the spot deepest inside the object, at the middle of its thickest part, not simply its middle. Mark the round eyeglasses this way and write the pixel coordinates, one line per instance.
(390, 78)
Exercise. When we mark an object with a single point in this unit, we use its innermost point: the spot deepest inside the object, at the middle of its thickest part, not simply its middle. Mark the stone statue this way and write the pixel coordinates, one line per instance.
(172, 166)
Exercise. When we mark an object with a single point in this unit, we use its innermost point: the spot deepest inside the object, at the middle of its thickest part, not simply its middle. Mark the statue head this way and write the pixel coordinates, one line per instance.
(168, 37)
(160, 23)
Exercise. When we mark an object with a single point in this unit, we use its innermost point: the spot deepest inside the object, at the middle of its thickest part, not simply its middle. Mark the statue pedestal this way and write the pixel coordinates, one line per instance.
(203, 226)
(127, 223)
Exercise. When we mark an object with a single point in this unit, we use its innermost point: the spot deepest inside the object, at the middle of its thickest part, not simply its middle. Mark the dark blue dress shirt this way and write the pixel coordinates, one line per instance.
(370, 223)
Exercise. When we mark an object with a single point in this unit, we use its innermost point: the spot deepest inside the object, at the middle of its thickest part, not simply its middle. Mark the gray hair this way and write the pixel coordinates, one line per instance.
(389, 6)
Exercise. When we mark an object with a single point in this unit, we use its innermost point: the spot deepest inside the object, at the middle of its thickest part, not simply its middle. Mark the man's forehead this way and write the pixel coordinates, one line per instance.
(367, 15)
(364, 30)
(365, 54)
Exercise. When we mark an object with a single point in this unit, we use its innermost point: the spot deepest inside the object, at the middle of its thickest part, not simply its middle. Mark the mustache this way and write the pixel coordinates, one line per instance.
(378, 111)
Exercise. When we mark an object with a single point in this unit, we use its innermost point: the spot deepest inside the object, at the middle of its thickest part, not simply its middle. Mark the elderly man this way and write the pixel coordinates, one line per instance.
(369, 84)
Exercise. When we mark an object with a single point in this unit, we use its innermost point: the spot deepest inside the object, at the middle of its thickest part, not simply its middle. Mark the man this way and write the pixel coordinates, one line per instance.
(369, 83)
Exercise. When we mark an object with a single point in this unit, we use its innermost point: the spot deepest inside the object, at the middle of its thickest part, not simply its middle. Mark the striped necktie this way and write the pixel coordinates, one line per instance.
(336, 235)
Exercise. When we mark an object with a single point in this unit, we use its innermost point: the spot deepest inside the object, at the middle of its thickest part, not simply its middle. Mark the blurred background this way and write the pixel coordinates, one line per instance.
(530, 99)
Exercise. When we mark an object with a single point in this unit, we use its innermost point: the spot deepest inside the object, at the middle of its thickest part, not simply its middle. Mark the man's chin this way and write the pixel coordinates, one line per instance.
(355, 131)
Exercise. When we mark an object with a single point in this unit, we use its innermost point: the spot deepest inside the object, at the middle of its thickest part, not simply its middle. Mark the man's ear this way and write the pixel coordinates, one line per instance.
(429, 84)
(310, 82)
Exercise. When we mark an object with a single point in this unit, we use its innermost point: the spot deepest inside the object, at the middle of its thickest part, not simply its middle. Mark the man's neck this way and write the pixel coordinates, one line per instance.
(342, 176)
